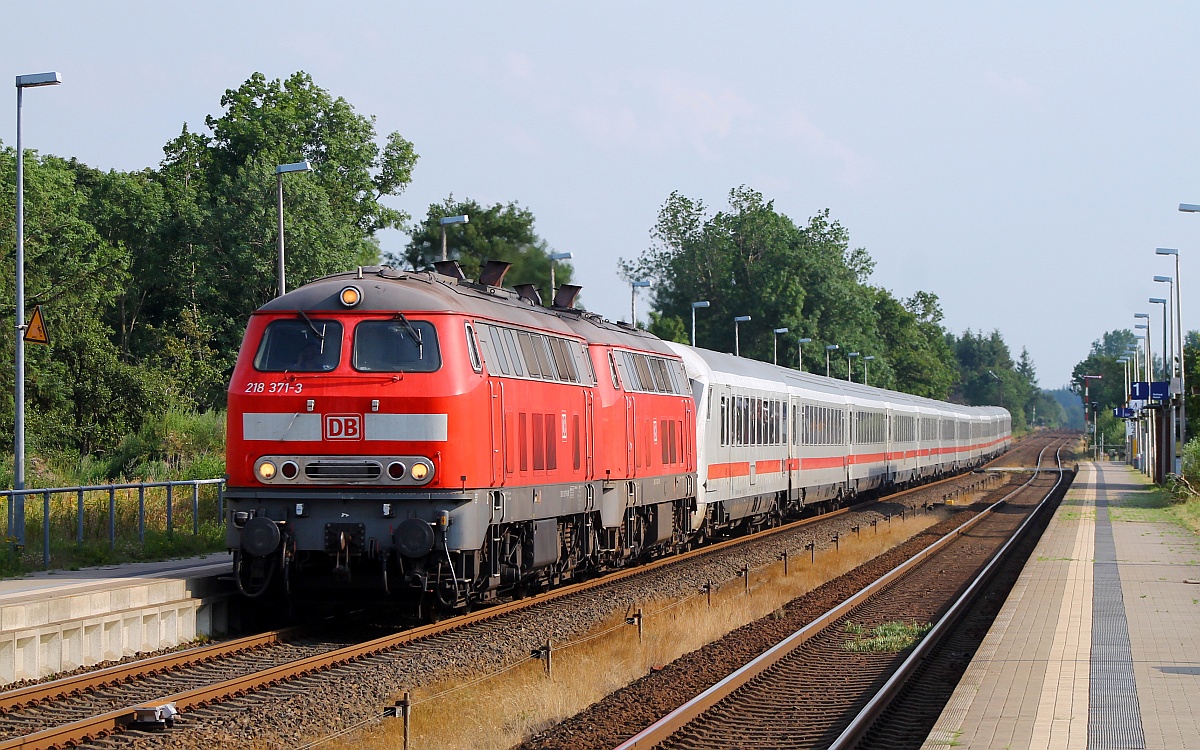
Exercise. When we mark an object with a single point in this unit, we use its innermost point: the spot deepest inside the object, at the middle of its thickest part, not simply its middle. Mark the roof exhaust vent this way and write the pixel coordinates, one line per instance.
(529, 293)
(566, 295)
(493, 273)
(450, 268)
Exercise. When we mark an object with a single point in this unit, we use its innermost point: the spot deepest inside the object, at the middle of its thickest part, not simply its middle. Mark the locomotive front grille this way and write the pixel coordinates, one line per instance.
(359, 471)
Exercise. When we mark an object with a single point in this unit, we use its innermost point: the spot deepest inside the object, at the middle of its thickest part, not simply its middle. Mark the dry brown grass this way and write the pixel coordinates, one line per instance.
(501, 711)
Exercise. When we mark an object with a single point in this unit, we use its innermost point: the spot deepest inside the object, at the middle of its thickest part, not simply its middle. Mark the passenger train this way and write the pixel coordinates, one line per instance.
(453, 440)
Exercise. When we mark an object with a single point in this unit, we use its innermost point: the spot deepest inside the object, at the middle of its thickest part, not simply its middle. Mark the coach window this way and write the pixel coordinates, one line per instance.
(300, 345)
(612, 370)
(400, 346)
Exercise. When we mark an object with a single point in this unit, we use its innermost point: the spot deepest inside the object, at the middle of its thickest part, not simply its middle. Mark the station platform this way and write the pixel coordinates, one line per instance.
(56, 621)
(1098, 644)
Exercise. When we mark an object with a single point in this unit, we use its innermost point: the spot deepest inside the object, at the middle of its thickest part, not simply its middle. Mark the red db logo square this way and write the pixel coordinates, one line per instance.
(343, 427)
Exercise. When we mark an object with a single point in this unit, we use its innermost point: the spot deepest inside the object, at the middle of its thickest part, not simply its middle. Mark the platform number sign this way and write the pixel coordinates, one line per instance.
(343, 427)
(1139, 390)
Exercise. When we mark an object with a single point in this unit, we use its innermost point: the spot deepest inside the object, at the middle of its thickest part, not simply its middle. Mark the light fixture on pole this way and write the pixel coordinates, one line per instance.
(866, 359)
(280, 171)
(695, 305)
(828, 349)
(800, 352)
(1170, 281)
(1000, 385)
(464, 219)
(1149, 350)
(849, 356)
(1182, 427)
(1124, 362)
(17, 518)
(1087, 406)
(1168, 364)
(737, 342)
(775, 355)
(633, 287)
(554, 257)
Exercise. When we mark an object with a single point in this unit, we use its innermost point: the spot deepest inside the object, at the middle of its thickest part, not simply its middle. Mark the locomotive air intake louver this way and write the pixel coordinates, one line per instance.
(344, 470)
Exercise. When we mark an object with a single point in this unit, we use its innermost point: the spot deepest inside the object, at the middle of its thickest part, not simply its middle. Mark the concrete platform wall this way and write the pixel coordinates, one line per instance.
(53, 631)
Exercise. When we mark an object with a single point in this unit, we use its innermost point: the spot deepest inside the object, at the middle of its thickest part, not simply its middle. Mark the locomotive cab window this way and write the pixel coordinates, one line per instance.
(393, 346)
(300, 345)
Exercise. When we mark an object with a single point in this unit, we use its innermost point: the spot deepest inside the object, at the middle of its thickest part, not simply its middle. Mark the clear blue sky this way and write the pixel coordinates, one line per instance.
(1020, 161)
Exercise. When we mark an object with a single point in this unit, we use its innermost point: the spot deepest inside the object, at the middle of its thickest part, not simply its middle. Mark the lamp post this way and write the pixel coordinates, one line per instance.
(633, 287)
(1182, 432)
(280, 171)
(1149, 350)
(464, 219)
(1168, 364)
(1124, 363)
(800, 353)
(554, 257)
(695, 305)
(775, 354)
(1170, 280)
(849, 357)
(737, 342)
(1000, 385)
(866, 359)
(828, 349)
(1087, 404)
(18, 523)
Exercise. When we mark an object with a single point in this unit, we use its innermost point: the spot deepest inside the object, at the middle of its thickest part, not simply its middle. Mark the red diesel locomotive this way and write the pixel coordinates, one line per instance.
(450, 439)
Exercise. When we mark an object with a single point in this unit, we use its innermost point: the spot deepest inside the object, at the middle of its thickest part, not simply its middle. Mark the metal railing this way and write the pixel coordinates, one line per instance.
(15, 501)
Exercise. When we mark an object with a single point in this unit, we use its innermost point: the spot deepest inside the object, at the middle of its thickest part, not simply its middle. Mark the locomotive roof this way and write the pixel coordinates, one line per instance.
(740, 367)
(386, 289)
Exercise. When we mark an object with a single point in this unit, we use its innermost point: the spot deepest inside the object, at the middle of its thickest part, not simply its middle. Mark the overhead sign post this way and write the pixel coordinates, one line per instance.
(35, 332)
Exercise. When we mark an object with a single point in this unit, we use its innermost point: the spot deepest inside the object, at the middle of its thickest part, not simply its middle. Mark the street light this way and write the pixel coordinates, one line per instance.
(737, 344)
(1179, 332)
(1087, 405)
(849, 356)
(866, 359)
(1149, 350)
(800, 352)
(775, 355)
(695, 305)
(1001, 386)
(555, 257)
(1168, 369)
(1171, 312)
(633, 287)
(450, 220)
(280, 171)
(32, 80)
(828, 349)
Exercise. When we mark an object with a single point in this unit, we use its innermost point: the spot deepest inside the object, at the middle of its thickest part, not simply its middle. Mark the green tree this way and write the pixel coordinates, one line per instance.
(502, 232)
(753, 260)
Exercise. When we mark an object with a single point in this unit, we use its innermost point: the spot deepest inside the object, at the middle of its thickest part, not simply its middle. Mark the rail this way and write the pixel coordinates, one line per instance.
(15, 501)
(691, 710)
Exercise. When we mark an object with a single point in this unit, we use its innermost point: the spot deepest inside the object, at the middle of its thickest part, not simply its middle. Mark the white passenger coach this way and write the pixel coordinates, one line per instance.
(771, 440)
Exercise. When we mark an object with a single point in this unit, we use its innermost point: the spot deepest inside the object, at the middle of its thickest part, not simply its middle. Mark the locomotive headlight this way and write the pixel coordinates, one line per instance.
(419, 471)
(350, 296)
(266, 471)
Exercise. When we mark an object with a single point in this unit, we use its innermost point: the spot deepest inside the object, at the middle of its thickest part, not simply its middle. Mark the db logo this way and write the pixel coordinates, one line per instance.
(343, 427)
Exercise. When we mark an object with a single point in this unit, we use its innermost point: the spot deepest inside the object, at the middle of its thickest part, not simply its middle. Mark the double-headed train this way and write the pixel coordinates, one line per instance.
(455, 440)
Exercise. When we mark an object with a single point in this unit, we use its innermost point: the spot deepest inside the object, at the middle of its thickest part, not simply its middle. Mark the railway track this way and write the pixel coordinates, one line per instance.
(825, 684)
(88, 707)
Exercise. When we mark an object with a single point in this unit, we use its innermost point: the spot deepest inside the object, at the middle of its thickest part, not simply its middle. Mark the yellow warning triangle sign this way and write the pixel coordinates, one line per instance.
(35, 332)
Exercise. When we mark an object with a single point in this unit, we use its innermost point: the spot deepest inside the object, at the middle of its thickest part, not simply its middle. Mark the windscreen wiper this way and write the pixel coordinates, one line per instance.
(412, 331)
(320, 333)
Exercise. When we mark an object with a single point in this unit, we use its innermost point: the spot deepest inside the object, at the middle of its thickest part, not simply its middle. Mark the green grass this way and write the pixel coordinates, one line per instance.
(888, 638)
